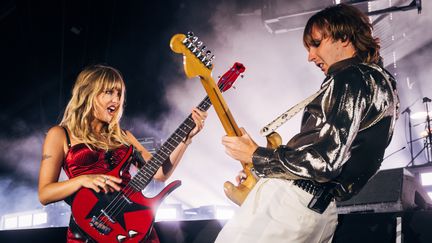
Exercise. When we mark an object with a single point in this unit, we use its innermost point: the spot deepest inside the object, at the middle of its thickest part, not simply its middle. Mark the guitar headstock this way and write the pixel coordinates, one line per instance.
(228, 79)
(196, 60)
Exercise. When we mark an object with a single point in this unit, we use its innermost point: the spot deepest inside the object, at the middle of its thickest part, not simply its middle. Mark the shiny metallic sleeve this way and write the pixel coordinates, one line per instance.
(323, 145)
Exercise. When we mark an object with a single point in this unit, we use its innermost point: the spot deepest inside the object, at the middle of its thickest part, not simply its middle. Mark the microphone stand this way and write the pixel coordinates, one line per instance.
(408, 112)
(428, 144)
(429, 135)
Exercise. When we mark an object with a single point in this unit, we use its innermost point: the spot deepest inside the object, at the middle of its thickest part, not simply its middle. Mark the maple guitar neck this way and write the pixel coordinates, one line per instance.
(198, 63)
(221, 107)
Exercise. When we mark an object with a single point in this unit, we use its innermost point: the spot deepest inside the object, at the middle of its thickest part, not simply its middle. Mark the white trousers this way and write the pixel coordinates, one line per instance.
(276, 211)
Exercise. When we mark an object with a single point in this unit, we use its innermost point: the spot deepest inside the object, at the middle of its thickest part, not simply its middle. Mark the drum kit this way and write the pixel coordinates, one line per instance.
(425, 134)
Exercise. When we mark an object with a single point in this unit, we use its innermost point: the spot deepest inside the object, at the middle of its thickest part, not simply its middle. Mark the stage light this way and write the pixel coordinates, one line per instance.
(224, 213)
(10, 222)
(426, 179)
(210, 212)
(40, 218)
(168, 212)
(25, 220)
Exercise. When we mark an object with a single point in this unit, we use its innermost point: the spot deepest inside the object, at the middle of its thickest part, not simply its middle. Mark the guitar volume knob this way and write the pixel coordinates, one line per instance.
(121, 238)
(132, 233)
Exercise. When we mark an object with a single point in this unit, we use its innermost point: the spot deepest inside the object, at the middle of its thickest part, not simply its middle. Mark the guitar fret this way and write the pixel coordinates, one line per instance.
(146, 173)
(158, 157)
(137, 183)
(166, 150)
(172, 146)
(153, 167)
(181, 132)
(135, 187)
(166, 154)
(142, 178)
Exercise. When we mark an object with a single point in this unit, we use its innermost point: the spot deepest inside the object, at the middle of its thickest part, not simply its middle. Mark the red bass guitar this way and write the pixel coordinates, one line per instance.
(127, 215)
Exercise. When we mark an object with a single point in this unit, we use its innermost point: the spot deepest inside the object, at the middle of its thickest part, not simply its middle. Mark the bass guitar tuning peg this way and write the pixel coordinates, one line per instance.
(190, 34)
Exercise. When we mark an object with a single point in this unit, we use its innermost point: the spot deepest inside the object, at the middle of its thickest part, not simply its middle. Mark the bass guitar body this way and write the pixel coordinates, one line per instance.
(124, 216)
(128, 216)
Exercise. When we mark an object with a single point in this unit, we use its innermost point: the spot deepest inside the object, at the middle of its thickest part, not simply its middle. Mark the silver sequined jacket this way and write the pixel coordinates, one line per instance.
(344, 131)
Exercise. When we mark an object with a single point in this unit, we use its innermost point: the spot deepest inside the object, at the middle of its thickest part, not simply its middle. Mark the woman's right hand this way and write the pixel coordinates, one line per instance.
(99, 182)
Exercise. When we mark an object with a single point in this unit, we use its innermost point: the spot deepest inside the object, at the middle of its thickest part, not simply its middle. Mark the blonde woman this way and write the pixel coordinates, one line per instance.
(89, 141)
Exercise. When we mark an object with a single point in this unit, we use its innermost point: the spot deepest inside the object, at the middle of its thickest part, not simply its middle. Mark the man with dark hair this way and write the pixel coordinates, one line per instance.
(341, 143)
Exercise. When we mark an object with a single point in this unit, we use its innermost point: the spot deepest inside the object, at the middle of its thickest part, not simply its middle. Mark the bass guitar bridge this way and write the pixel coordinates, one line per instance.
(100, 226)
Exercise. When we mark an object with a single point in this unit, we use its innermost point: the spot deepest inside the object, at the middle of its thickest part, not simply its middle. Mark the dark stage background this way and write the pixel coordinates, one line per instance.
(44, 45)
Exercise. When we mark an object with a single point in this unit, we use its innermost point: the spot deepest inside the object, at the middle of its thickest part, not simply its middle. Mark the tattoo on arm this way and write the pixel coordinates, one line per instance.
(46, 156)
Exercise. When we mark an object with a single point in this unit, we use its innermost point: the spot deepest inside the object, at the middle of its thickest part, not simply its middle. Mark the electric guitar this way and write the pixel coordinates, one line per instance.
(127, 215)
(198, 63)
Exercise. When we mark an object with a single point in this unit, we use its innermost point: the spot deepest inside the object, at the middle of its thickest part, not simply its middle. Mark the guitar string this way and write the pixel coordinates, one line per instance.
(129, 190)
(112, 209)
(205, 101)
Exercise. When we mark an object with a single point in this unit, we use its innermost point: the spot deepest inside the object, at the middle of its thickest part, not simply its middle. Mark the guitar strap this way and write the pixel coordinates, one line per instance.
(284, 117)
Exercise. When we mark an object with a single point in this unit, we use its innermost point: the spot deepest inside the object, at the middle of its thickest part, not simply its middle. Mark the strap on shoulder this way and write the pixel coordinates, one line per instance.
(67, 137)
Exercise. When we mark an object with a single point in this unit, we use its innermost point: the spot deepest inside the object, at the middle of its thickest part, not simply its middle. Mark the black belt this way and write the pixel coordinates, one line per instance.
(321, 193)
(307, 186)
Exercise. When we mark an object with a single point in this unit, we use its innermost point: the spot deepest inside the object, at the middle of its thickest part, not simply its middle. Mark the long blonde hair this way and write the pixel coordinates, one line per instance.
(79, 112)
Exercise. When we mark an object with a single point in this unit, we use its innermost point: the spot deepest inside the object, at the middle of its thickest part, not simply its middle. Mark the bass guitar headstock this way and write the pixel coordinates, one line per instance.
(227, 80)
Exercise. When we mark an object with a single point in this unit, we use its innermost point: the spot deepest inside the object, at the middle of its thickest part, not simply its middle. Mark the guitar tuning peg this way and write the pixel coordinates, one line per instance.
(219, 77)
(212, 58)
(234, 87)
(194, 39)
(190, 34)
(203, 48)
(199, 43)
(208, 53)
(242, 76)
